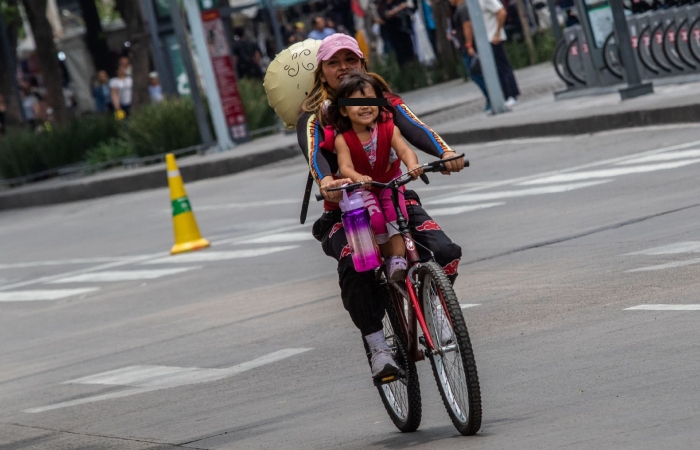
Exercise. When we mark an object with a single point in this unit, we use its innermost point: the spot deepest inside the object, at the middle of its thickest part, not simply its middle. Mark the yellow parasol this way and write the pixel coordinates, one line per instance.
(289, 79)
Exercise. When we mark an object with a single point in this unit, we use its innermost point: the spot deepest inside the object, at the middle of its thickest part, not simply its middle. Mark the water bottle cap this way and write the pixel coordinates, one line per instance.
(351, 202)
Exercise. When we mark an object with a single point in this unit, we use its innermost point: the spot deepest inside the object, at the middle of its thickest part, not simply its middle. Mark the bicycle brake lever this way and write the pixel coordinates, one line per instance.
(319, 197)
(425, 179)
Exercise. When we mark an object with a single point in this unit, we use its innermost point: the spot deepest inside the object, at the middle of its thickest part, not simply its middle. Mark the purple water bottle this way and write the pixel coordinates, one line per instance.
(358, 230)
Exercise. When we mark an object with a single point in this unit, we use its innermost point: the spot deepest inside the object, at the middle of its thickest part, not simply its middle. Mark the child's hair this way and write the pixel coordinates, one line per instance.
(353, 82)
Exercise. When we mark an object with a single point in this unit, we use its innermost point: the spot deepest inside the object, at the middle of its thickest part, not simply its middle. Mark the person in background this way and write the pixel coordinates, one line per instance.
(155, 91)
(462, 30)
(125, 63)
(3, 108)
(494, 19)
(30, 104)
(298, 35)
(429, 22)
(320, 29)
(247, 56)
(120, 93)
(398, 28)
(101, 93)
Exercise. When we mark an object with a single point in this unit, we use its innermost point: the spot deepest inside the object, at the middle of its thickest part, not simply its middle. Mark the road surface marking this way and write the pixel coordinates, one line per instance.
(468, 305)
(63, 262)
(462, 209)
(153, 378)
(290, 236)
(608, 173)
(678, 247)
(50, 294)
(670, 156)
(203, 256)
(467, 198)
(695, 307)
(667, 265)
(285, 201)
(122, 275)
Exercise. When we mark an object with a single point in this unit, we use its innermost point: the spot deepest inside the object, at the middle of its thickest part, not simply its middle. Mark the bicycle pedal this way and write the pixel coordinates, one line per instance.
(389, 378)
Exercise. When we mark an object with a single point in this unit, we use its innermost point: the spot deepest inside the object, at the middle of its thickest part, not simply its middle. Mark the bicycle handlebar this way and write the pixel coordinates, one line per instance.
(403, 179)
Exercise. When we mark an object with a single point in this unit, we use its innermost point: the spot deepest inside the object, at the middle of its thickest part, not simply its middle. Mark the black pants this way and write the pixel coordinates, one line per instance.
(361, 294)
(505, 72)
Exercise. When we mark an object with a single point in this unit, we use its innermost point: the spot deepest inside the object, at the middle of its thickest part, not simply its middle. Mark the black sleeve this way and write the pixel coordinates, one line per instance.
(417, 133)
(310, 136)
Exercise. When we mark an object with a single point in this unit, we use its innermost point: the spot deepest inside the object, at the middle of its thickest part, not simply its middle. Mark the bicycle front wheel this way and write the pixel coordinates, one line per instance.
(453, 363)
(401, 398)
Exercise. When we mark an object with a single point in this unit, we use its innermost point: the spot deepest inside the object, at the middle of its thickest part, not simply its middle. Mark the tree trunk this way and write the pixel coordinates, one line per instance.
(95, 37)
(446, 53)
(12, 21)
(47, 55)
(525, 26)
(139, 38)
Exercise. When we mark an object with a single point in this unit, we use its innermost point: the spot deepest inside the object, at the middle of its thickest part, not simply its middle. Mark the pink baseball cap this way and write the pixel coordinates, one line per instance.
(338, 41)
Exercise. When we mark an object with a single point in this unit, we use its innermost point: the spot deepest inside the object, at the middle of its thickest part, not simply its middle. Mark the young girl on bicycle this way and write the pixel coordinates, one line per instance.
(370, 147)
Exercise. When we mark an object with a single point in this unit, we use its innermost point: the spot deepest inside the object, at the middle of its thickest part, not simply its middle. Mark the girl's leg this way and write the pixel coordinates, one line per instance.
(376, 217)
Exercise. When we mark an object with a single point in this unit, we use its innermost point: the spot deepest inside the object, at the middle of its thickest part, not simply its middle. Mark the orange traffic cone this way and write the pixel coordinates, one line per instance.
(187, 237)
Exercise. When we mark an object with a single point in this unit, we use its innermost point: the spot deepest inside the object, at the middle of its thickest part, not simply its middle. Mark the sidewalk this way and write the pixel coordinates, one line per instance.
(454, 109)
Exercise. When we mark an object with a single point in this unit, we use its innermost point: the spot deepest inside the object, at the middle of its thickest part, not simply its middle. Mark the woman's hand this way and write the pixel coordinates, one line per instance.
(415, 170)
(452, 166)
(329, 182)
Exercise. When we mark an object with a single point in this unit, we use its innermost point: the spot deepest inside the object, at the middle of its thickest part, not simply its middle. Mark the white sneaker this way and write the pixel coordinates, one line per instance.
(511, 102)
(396, 269)
(382, 361)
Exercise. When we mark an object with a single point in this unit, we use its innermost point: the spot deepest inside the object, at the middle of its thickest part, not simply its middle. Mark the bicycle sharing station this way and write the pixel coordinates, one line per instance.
(665, 46)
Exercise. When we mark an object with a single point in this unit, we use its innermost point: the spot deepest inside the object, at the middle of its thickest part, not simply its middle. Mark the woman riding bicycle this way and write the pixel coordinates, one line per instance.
(362, 296)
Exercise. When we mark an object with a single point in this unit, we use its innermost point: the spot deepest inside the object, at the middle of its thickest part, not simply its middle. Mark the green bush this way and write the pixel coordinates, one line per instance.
(544, 49)
(111, 150)
(258, 113)
(163, 127)
(24, 152)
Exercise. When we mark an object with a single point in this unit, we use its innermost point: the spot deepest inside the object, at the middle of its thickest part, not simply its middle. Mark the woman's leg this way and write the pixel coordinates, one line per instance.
(428, 233)
(362, 295)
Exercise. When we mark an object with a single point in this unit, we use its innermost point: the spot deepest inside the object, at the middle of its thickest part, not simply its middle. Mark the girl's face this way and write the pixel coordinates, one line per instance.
(337, 66)
(362, 116)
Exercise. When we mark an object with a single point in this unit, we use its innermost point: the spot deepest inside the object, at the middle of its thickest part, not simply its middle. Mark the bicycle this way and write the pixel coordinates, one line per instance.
(427, 300)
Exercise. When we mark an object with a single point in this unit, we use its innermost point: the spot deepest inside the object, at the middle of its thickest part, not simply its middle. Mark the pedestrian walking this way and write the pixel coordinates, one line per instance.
(462, 29)
(494, 18)
(101, 92)
(320, 29)
(121, 93)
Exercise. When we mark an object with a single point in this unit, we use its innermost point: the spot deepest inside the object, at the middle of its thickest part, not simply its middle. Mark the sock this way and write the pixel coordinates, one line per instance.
(377, 341)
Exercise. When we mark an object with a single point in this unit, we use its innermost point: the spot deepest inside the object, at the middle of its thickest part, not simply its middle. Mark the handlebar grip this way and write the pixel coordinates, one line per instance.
(319, 197)
(425, 179)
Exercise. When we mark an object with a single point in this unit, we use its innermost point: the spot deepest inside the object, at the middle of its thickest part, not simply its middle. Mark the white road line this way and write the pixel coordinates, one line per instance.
(64, 262)
(468, 305)
(678, 247)
(667, 265)
(695, 307)
(462, 209)
(465, 198)
(293, 236)
(153, 378)
(122, 275)
(670, 156)
(609, 173)
(285, 201)
(49, 294)
(203, 256)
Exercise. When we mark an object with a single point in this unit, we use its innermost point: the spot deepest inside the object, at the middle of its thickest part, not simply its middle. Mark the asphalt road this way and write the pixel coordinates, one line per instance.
(106, 342)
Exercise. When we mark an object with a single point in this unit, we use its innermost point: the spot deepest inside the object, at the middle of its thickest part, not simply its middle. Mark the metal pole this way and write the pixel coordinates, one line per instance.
(166, 77)
(488, 63)
(635, 87)
(194, 18)
(11, 66)
(274, 24)
(558, 35)
(181, 35)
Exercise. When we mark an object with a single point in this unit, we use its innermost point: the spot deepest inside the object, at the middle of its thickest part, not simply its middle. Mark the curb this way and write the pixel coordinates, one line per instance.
(580, 125)
(150, 178)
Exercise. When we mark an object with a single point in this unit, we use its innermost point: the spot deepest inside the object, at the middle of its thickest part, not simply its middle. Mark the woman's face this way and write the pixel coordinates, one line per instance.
(362, 115)
(337, 66)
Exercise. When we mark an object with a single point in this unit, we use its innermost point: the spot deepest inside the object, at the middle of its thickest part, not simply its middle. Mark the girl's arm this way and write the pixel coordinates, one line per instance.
(407, 156)
(347, 169)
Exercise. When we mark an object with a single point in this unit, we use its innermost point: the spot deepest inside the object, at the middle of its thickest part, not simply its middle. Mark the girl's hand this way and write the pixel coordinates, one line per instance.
(363, 179)
(415, 170)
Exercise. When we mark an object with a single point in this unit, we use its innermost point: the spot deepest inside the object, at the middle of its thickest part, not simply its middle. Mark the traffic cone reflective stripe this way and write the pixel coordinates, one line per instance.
(187, 236)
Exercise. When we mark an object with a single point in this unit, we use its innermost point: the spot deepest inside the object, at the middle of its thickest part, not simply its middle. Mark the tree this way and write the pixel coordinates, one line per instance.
(9, 15)
(140, 41)
(525, 24)
(47, 55)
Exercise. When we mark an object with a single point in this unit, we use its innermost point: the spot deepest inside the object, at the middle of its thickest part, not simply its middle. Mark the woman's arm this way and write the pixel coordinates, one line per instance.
(407, 156)
(310, 136)
(347, 168)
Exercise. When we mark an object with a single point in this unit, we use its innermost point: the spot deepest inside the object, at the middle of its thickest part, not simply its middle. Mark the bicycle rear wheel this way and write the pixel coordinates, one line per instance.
(401, 398)
(453, 365)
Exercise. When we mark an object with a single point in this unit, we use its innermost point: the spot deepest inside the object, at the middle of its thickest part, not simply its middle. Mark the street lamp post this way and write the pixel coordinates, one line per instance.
(635, 87)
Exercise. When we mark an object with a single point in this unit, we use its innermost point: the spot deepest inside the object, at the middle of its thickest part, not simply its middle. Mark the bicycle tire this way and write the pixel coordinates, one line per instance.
(408, 389)
(686, 59)
(656, 57)
(567, 62)
(608, 52)
(466, 418)
(560, 64)
(647, 61)
(675, 60)
(693, 51)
